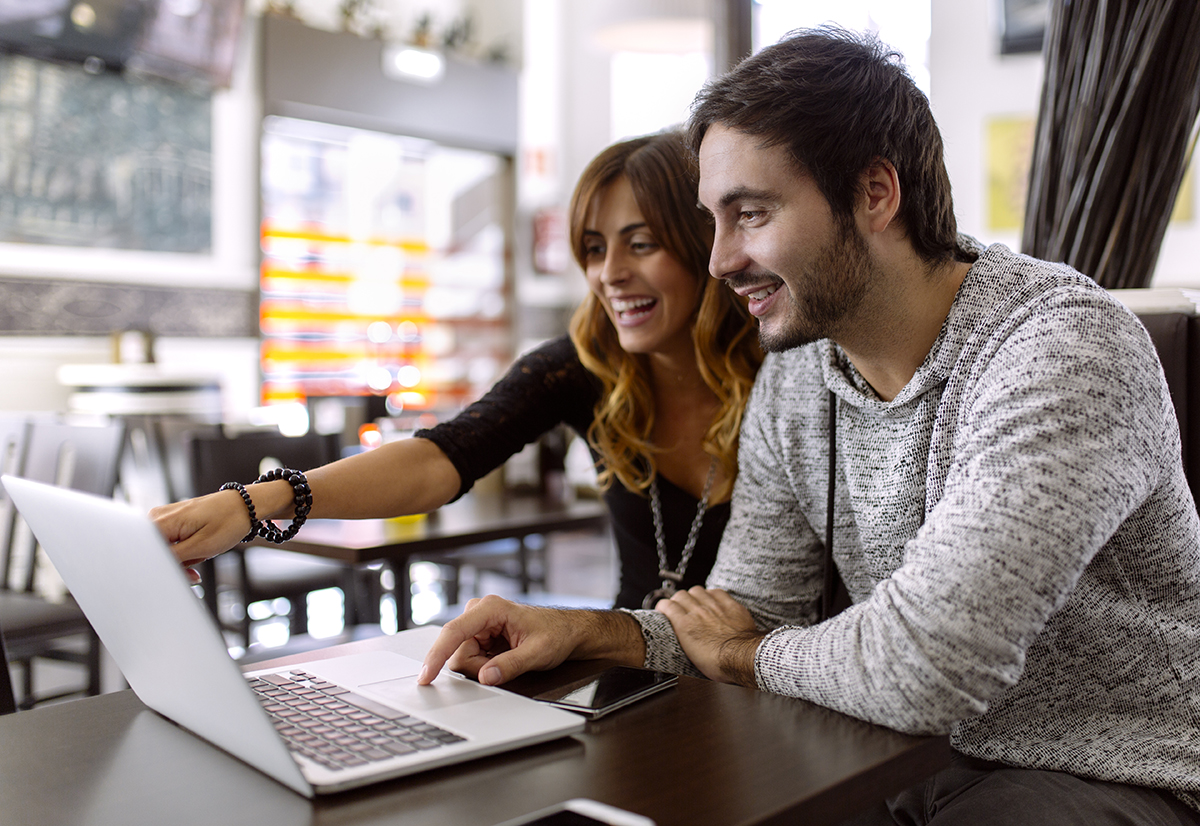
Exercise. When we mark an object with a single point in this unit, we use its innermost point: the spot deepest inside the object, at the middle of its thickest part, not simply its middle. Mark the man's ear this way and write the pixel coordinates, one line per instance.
(881, 201)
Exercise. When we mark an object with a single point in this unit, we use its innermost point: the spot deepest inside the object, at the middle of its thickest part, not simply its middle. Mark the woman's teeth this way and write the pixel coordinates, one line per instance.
(623, 306)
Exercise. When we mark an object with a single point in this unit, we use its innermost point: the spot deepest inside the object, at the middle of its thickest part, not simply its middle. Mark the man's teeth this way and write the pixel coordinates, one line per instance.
(623, 305)
(759, 295)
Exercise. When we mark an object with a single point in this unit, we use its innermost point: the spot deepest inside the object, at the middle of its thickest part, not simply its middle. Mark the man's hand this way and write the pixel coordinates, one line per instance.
(716, 632)
(495, 640)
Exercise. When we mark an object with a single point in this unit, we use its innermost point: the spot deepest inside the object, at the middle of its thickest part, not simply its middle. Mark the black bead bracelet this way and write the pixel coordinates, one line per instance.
(254, 523)
(301, 505)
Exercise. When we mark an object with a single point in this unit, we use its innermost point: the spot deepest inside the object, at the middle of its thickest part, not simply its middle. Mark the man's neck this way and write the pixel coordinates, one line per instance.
(891, 338)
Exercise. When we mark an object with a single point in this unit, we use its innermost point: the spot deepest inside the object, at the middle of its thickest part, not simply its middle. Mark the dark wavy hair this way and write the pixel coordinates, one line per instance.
(663, 178)
(839, 102)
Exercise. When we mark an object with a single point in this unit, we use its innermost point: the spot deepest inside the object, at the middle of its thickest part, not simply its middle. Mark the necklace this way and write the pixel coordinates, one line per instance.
(670, 578)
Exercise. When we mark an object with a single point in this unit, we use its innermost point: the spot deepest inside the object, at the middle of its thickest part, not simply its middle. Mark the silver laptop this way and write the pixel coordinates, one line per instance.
(290, 723)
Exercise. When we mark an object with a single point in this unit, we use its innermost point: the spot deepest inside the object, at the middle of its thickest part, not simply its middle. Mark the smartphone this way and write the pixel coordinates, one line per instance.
(580, 812)
(607, 691)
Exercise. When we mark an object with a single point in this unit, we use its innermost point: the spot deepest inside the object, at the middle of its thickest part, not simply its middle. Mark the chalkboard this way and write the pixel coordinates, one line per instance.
(101, 160)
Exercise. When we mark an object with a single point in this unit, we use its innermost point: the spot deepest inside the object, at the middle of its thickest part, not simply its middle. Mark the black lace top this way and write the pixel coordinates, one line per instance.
(549, 386)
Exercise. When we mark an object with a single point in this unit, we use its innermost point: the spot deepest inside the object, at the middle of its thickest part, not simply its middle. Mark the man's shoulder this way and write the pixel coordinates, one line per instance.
(1006, 286)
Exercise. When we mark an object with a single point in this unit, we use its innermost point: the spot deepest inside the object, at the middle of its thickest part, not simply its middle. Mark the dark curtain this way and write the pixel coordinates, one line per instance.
(1115, 132)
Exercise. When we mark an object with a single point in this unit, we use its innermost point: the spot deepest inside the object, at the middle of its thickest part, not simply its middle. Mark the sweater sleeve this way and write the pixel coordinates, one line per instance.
(1060, 432)
(544, 388)
(769, 558)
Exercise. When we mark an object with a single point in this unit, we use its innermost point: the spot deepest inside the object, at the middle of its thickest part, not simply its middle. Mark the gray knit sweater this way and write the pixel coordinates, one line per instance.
(1014, 528)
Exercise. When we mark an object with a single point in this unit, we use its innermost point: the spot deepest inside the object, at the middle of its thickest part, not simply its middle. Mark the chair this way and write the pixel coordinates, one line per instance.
(8, 700)
(254, 573)
(85, 458)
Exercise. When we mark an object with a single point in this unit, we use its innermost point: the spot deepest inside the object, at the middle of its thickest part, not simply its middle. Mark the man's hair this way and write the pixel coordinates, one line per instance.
(839, 102)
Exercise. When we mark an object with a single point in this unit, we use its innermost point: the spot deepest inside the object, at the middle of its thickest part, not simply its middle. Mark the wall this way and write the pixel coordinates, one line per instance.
(28, 364)
(971, 82)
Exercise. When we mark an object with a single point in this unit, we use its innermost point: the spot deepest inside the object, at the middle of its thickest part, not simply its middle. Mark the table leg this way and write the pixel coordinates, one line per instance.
(403, 595)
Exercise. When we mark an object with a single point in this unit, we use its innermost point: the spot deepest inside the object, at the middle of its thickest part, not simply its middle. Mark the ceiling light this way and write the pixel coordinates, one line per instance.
(413, 64)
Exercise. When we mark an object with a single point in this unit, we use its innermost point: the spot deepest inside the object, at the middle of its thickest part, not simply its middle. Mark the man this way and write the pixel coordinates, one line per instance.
(1009, 510)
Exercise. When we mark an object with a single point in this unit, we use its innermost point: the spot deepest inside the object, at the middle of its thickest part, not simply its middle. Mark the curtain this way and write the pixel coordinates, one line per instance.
(1115, 132)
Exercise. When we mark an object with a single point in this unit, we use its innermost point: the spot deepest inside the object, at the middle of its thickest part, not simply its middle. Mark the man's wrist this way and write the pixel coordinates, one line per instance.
(736, 658)
(607, 635)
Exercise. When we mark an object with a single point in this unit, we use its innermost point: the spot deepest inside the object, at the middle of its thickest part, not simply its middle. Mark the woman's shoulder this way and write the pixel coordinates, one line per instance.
(555, 355)
(553, 369)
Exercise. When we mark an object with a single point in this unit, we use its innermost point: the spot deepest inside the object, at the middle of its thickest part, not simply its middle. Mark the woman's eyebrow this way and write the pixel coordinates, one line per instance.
(625, 230)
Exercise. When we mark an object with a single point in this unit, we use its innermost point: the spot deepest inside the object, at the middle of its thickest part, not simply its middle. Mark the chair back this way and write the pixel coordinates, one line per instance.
(8, 699)
(14, 435)
(82, 457)
(217, 459)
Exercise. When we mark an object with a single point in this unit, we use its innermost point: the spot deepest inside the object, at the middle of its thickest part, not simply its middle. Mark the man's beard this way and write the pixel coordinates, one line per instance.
(834, 284)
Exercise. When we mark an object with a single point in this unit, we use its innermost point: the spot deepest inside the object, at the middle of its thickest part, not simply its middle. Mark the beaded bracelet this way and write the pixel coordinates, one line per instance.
(301, 502)
(254, 523)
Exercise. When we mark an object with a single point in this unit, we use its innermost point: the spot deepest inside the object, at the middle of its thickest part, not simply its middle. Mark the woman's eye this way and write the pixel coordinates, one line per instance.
(593, 251)
(643, 245)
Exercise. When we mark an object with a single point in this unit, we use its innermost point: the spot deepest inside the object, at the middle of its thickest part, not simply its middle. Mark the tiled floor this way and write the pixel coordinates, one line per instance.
(581, 570)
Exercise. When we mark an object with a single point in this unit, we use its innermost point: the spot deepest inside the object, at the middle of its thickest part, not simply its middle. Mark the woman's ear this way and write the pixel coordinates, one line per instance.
(881, 186)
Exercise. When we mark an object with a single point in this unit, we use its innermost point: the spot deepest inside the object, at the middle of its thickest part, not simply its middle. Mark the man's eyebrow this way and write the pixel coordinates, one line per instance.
(741, 193)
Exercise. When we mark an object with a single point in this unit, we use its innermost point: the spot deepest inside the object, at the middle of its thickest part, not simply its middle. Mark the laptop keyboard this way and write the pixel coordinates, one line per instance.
(337, 728)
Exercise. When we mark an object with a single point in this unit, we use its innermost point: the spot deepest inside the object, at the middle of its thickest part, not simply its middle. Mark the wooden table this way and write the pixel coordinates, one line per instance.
(473, 519)
(701, 753)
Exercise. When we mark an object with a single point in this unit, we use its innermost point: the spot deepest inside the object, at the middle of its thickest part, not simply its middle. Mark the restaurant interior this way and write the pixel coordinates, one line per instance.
(336, 222)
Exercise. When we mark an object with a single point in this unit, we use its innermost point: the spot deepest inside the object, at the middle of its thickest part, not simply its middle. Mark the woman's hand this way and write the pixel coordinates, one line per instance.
(198, 529)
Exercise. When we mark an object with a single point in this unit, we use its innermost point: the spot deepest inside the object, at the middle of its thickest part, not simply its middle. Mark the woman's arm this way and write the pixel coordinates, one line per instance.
(398, 478)
(409, 476)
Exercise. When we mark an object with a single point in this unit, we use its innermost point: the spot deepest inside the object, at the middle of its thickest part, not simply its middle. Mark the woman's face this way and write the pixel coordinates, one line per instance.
(649, 296)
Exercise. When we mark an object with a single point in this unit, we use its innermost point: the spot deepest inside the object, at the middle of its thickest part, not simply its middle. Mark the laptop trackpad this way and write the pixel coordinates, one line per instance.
(443, 693)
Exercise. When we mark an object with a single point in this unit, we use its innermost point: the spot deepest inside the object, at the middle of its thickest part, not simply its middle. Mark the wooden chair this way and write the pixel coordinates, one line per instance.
(254, 573)
(14, 431)
(85, 458)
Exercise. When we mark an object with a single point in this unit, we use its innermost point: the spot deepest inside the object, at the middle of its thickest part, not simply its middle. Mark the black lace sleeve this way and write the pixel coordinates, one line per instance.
(546, 387)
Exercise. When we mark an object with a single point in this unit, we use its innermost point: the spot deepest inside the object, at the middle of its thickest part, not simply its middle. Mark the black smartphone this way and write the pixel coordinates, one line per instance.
(607, 691)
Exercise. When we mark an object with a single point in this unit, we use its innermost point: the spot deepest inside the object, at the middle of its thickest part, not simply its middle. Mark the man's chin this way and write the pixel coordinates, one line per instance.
(777, 341)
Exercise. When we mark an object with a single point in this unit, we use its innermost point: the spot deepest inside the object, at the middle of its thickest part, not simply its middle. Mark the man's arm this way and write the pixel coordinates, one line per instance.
(495, 640)
(769, 564)
(716, 632)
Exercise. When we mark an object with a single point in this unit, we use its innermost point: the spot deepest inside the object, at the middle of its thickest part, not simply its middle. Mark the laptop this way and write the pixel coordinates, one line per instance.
(382, 725)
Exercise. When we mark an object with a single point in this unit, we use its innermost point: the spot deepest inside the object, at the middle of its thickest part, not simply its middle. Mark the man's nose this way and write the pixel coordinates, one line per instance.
(727, 256)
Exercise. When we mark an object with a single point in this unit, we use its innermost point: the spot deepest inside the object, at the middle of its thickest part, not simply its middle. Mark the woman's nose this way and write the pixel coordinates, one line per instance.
(616, 269)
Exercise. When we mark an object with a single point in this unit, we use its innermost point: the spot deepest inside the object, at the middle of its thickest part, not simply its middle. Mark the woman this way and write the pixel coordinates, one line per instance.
(654, 374)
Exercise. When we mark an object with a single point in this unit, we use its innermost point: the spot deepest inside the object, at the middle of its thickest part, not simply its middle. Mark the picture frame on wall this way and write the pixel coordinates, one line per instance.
(1023, 25)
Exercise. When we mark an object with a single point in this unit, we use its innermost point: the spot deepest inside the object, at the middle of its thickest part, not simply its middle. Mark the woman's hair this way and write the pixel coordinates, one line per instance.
(663, 177)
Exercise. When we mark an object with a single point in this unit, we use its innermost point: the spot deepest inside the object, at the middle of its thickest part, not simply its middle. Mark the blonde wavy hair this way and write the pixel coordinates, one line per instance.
(663, 176)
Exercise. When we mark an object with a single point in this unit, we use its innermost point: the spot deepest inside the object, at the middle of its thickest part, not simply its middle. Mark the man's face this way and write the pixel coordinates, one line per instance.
(778, 243)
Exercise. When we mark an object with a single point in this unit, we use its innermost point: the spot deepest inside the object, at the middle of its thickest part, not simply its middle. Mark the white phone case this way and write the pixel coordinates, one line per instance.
(601, 814)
